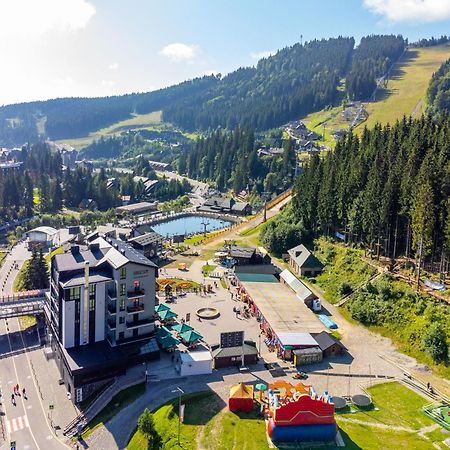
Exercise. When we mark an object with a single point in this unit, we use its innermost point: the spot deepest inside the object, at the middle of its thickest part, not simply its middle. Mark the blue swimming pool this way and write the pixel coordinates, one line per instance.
(189, 225)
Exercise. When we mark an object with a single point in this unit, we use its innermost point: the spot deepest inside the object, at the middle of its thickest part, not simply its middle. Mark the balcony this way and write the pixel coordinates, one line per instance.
(135, 308)
(139, 323)
(112, 294)
(135, 293)
(112, 324)
(112, 307)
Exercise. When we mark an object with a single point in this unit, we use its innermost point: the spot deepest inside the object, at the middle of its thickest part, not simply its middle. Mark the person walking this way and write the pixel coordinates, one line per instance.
(13, 399)
(24, 393)
(17, 389)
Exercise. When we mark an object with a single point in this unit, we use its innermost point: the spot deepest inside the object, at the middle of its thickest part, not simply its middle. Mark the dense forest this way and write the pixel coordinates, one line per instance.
(439, 89)
(293, 82)
(371, 60)
(230, 159)
(164, 145)
(388, 189)
(40, 186)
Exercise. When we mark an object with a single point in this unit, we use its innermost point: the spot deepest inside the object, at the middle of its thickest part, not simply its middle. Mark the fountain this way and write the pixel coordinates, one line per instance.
(208, 313)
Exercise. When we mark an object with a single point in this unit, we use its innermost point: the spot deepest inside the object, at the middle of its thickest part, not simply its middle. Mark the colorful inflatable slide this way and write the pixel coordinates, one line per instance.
(298, 413)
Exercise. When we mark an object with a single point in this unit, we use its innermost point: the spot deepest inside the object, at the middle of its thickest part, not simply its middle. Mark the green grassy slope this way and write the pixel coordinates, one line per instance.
(137, 122)
(405, 93)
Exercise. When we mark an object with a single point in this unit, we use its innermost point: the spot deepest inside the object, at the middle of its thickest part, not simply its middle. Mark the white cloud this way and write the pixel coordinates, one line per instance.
(180, 52)
(113, 66)
(263, 54)
(410, 10)
(29, 18)
(108, 83)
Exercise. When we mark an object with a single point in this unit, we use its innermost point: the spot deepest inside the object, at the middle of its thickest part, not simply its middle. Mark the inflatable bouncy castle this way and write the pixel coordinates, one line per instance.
(241, 398)
(298, 413)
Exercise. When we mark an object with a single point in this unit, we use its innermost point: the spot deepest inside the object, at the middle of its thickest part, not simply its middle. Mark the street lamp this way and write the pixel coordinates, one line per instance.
(180, 393)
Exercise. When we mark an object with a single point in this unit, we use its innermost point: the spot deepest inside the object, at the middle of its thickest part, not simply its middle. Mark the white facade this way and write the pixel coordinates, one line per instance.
(196, 362)
(68, 329)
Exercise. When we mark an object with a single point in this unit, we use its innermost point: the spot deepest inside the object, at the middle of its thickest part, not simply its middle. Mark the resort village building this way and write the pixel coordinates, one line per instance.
(100, 312)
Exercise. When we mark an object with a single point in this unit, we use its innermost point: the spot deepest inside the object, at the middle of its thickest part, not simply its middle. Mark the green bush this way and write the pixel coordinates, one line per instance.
(435, 342)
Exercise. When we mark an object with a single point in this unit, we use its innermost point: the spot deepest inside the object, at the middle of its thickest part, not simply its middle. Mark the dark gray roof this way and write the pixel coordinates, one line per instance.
(146, 239)
(117, 255)
(326, 340)
(248, 349)
(76, 261)
(303, 257)
(242, 252)
(130, 253)
(95, 277)
(144, 229)
(239, 206)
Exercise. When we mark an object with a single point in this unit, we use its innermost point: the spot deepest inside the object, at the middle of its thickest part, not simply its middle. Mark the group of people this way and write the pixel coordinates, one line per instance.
(16, 391)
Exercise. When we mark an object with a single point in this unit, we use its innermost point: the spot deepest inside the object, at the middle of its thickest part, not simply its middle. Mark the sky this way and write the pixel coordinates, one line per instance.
(68, 48)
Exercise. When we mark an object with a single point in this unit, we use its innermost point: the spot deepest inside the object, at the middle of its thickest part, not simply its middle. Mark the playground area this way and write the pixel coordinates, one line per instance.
(395, 421)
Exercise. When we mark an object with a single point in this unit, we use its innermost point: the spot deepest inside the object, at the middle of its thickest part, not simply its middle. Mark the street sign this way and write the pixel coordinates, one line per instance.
(51, 407)
(232, 339)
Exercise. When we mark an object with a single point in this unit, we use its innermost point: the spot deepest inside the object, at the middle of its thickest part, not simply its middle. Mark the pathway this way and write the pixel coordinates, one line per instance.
(11, 266)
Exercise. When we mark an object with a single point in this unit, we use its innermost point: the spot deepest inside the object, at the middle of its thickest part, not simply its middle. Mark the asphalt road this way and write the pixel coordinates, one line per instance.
(8, 272)
(27, 421)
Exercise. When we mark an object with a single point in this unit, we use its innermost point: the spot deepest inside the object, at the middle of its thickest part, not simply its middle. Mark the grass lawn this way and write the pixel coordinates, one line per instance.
(118, 402)
(332, 119)
(210, 426)
(3, 256)
(342, 265)
(18, 282)
(398, 406)
(406, 91)
(357, 436)
(207, 269)
(48, 257)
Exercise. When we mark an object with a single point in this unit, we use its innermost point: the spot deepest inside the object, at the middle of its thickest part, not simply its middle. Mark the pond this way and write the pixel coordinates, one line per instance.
(189, 225)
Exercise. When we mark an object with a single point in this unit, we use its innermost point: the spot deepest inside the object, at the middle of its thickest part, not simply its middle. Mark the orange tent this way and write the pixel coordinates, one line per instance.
(241, 397)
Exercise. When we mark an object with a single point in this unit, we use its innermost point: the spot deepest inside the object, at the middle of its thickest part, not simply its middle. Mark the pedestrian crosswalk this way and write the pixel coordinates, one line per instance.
(16, 424)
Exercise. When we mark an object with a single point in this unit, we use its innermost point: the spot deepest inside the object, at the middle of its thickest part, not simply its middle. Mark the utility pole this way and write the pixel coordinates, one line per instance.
(180, 393)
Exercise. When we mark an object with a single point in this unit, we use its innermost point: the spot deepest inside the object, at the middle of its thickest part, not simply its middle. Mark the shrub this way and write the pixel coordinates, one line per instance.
(435, 342)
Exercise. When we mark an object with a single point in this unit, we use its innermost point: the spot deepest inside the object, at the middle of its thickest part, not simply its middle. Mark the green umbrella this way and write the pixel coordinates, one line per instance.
(166, 314)
(181, 327)
(161, 307)
(261, 387)
(191, 336)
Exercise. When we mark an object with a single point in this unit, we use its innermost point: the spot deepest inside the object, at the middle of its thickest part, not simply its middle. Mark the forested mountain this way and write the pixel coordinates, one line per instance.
(293, 82)
(230, 159)
(371, 60)
(391, 188)
(439, 89)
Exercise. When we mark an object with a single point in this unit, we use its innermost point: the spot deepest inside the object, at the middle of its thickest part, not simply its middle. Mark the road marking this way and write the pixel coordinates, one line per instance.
(16, 424)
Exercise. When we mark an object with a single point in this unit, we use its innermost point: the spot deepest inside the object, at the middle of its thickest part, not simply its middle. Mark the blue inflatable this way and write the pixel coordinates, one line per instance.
(302, 433)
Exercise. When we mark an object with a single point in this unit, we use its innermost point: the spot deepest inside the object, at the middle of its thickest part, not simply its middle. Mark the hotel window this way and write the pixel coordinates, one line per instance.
(123, 273)
(74, 293)
(122, 304)
(122, 289)
(121, 319)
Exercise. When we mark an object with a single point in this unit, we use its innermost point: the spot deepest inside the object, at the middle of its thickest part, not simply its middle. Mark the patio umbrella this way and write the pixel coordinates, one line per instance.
(181, 327)
(191, 336)
(166, 314)
(260, 387)
(161, 307)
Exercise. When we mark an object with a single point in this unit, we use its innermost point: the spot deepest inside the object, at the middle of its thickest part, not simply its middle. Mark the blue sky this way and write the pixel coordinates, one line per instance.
(53, 48)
